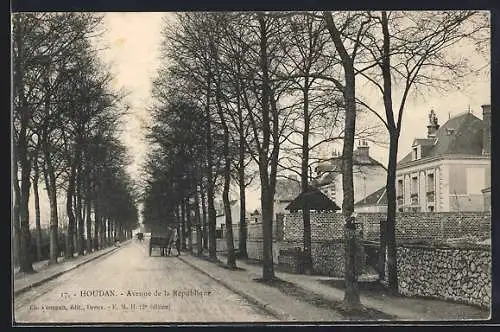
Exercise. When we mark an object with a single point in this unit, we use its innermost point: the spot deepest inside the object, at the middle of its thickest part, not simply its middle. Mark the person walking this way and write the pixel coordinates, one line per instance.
(177, 241)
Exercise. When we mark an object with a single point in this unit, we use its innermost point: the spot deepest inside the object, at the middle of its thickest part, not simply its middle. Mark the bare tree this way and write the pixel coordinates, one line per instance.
(415, 50)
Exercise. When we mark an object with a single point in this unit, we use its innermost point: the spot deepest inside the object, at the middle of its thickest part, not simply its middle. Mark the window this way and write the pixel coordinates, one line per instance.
(430, 182)
(414, 185)
(415, 154)
(400, 187)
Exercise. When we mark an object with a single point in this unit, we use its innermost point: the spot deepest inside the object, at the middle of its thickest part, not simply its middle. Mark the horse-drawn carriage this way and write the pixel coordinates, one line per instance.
(161, 238)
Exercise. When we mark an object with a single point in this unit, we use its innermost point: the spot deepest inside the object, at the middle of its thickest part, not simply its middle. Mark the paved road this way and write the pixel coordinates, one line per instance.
(130, 286)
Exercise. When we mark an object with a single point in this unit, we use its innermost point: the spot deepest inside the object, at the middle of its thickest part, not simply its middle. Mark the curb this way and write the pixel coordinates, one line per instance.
(58, 274)
(280, 315)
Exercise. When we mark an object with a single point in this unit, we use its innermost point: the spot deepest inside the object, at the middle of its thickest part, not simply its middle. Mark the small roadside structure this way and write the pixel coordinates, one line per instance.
(312, 199)
(297, 260)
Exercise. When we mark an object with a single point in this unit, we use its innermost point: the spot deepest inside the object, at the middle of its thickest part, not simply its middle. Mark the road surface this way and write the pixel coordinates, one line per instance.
(129, 286)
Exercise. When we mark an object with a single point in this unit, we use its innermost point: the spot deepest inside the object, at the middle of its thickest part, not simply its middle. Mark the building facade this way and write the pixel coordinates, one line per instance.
(448, 170)
(369, 175)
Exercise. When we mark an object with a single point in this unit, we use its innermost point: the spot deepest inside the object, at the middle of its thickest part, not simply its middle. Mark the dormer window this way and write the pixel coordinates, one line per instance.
(416, 152)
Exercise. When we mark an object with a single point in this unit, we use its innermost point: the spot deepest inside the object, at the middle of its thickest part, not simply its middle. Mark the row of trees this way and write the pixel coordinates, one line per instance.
(270, 89)
(64, 129)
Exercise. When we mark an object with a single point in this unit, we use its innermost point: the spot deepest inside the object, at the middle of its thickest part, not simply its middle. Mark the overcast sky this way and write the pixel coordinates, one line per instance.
(134, 38)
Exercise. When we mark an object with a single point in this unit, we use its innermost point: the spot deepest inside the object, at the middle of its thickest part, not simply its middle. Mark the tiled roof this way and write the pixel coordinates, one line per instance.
(312, 199)
(424, 141)
(462, 135)
(332, 167)
(377, 198)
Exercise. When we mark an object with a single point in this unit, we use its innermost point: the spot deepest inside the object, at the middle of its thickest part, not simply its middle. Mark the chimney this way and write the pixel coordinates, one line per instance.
(363, 149)
(486, 129)
(433, 125)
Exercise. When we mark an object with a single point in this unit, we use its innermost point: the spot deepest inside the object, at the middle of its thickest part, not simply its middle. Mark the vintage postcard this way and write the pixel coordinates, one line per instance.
(251, 167)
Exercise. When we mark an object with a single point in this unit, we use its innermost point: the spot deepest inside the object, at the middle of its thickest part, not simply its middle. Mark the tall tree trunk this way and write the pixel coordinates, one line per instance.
(79, 211)
(212, 241)
(267, 233)
(70, 248)
(242, 244)
(25, 243)
(97, 220)
(36, 176)
(389, 229)
(109, 231)
(25, 261)
(351, 296)
(204, 218)
(199, 244)
(231, 257)
(17, 194)
(304, 181)
(267, 179)
(50, 184)
(390, 234)
(88, 217)
(102, 233)
(189, 235)
(183, 226)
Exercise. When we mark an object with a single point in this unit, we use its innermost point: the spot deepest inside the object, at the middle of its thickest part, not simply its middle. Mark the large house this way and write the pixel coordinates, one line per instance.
(449, 170)
(369, 175)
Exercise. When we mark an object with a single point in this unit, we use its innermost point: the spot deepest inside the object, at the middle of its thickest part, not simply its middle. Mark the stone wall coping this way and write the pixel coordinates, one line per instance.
(474, 247)
(448, 213)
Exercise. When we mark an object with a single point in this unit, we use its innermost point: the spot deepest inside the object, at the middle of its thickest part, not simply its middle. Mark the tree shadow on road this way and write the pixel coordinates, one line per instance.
(291, 289)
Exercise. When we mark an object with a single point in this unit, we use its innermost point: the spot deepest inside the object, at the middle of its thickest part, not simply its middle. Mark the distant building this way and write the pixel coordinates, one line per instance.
(375, 202)
(255, 217)
(368, 175)
(220, 218)
(286, 191)
(448, 170)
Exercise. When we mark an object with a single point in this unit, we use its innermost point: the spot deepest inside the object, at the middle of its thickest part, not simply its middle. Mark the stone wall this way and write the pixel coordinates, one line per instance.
(457, 274)
(410, 226)
(329, 258)
(255, 248)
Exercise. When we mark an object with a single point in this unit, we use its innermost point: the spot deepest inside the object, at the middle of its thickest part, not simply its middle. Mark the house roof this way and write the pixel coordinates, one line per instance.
(314, 200)
(333, 166)
(255, 213)
(424, 141)
(379, 197)
(460, 135)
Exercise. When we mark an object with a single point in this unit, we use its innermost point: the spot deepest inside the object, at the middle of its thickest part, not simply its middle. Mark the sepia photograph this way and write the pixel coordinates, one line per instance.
(250, 167)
